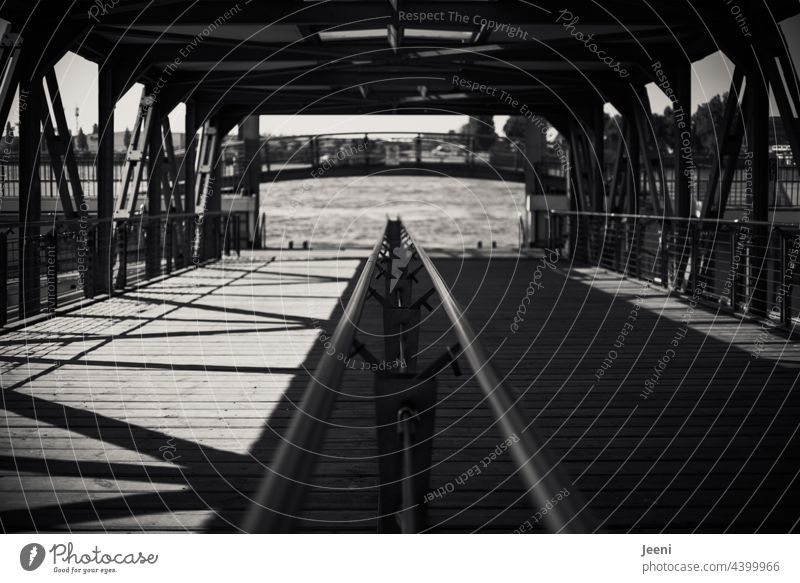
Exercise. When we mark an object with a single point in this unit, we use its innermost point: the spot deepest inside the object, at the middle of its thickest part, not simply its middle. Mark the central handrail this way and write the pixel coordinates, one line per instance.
(539, 473)
(282, 490)
(281, 493)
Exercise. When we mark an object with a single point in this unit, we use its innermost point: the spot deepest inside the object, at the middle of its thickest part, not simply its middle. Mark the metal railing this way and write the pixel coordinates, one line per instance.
(86, 163)
(48, 264)
(540, 474)
(405, 405)
(747, 267)
(278, 155)
(784, 182)
(280, 496)
(291, 157)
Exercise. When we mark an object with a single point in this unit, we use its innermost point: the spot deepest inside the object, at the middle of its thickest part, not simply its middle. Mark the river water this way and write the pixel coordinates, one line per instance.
(454, 213)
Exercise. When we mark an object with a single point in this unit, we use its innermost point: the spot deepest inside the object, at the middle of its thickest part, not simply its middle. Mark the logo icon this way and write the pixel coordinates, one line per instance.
(31, 556)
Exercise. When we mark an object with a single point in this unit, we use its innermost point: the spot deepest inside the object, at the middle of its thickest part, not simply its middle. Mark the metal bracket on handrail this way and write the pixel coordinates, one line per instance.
(363, 352)
(403, 402)
(539, 471)
(448, 358)
(371, 292)
(423, 300)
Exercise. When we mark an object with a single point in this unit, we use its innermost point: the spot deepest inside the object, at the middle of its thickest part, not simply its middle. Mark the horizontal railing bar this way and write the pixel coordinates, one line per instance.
(663, 218)
(540, 475)
(107, 220)
(282, 489)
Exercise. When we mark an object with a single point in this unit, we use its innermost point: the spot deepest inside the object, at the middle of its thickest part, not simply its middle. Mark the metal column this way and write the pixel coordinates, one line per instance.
(30, 191)
(106, 101)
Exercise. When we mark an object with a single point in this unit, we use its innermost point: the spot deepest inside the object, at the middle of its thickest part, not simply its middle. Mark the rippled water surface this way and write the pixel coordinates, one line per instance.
(443, 212)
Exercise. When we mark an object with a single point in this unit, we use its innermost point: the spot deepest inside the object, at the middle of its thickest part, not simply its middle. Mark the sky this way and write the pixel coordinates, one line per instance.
(78, 83)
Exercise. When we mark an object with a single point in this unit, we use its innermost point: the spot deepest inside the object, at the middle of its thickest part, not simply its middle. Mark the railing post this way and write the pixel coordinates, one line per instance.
(3, 277)
(122, 268)
(190, 230)
(221, 235)
(405, 407)
(102, 272)
(226, 236)
(405, 402)
(734, 269)
(574, 222)
(639, 230)
(418, 149)
(169, 243)
(30, 187)
(665, 228)
(366, 151)
(238, 236)
(783, 288)
(314, 152)
(86, 272)
(695, 237)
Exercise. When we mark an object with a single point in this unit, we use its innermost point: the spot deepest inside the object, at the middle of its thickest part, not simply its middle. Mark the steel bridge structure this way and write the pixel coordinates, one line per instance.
(160, 211)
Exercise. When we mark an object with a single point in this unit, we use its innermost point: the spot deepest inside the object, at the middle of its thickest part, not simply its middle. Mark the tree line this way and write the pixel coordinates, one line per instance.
(706, 128)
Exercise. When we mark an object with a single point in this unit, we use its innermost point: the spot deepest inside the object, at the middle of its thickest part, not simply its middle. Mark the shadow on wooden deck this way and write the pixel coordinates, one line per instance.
(712, 448)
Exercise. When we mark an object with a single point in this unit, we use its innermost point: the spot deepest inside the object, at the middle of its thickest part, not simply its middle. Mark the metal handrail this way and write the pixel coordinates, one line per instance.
(539, 472)
(282, 489)
(281, 492)
(665, 218)
(94, 221)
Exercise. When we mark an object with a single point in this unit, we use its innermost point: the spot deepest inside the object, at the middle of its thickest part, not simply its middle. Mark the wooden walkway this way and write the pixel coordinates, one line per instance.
(160, 409)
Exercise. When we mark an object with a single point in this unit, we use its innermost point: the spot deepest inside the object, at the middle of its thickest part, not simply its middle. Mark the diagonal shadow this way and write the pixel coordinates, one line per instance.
(83, 469)
(215, 479)
(202, 367)
(63, 340)
(144, 322)
(230, 310)
(713, 447)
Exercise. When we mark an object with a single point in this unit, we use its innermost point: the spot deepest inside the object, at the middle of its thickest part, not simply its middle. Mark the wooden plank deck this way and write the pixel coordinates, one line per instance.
(159, 410)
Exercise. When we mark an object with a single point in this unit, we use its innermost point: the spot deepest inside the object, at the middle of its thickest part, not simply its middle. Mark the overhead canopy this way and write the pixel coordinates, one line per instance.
(362, 56)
